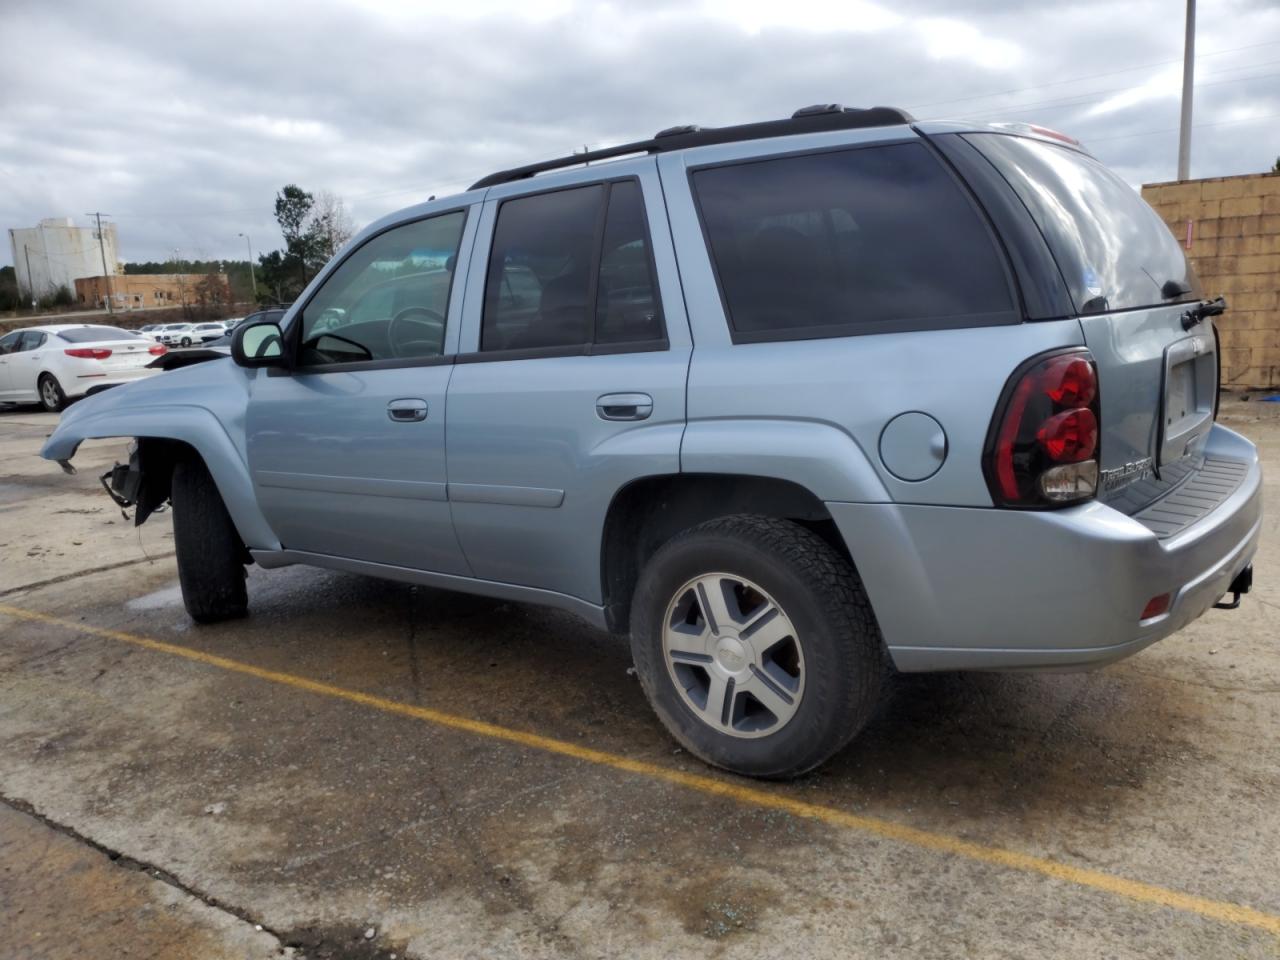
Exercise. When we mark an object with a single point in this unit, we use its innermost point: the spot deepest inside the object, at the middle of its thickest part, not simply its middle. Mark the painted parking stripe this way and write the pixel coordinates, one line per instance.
(749, 795)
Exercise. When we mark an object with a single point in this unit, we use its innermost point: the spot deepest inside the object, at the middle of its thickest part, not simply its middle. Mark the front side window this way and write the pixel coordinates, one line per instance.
(9, 343)
(389, 300)
(571, 268)
(853, 241)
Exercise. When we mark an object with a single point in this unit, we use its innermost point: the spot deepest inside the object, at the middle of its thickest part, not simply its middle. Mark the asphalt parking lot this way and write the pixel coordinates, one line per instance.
(369, 769)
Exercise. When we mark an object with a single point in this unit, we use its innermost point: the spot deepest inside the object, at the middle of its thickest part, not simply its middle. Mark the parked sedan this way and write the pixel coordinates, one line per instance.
(175, 334)
(55, 364)
(204, 332)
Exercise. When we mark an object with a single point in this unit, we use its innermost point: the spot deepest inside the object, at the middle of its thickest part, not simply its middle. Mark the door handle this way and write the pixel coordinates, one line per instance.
(409, 410)
(624, 406)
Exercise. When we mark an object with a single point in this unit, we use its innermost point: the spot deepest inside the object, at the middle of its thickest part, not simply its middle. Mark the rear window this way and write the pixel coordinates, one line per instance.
(867, 240)
(1114, 250)
(96, 334)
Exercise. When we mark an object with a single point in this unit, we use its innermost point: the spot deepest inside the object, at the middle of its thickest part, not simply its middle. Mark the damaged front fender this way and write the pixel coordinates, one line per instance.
(166, 426)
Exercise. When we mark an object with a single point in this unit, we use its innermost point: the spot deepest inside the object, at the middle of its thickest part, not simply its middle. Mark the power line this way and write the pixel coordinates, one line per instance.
(1090, 76)
(1093, 96)
(1152, 133)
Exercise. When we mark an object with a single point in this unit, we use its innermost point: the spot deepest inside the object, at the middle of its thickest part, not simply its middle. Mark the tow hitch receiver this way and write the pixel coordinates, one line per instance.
(1241, 585)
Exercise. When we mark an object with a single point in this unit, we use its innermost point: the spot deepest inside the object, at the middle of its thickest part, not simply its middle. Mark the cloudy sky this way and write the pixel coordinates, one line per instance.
(183, 119)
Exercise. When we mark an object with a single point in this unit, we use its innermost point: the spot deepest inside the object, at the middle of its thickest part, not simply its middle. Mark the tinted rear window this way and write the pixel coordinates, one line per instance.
(96, 334)
(1114, 250)
(855, 241)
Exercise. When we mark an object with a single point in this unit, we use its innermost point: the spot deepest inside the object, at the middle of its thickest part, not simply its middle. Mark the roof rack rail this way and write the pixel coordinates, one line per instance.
(814, 119)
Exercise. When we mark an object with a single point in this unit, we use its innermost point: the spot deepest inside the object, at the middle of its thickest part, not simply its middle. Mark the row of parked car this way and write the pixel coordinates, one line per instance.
(188, 334)
(57, 363)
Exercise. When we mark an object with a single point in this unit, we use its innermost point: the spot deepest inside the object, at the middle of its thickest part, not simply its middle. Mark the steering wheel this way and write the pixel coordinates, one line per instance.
(427, 321)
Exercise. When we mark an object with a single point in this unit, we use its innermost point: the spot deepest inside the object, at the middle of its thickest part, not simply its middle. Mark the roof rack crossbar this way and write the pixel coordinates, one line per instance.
(807, 120)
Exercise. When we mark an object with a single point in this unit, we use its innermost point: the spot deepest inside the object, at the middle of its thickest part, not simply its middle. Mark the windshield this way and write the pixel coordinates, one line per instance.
(93, 334)
(1114, 251)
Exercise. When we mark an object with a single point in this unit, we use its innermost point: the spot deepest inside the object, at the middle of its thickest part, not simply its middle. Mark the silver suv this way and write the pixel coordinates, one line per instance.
(791, 403)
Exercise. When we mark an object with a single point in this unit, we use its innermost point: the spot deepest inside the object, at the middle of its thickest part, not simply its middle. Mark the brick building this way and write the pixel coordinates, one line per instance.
(133, 291)
(1230, 227)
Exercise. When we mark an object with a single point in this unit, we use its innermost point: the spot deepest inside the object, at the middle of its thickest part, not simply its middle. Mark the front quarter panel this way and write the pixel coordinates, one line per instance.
(203, 406)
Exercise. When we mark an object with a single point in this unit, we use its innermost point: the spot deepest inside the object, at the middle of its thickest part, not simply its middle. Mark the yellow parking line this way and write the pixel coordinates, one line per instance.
(753, 796)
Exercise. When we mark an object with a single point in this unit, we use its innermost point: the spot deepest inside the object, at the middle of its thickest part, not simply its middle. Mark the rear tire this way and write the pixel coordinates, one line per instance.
(795, 672)
(210, 552)
(52, 399)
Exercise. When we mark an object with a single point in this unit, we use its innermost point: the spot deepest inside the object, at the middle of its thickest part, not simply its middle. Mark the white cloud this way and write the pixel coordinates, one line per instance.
(184, 121)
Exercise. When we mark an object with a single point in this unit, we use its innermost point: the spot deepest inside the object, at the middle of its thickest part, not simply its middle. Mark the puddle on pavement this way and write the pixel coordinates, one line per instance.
(158, 600)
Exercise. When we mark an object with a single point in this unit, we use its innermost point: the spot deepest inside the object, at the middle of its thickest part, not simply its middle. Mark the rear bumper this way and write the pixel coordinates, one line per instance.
(984, 589)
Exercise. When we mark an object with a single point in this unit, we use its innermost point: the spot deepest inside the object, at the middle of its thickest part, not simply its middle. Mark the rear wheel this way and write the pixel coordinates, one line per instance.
(756, 645)
(51, 396)
(210, 552)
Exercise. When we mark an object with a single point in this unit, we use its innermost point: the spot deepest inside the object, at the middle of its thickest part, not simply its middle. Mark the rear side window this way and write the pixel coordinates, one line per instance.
(869, 240)
(96, 334)
(571, 268)
(626, 297)
(1114, 251)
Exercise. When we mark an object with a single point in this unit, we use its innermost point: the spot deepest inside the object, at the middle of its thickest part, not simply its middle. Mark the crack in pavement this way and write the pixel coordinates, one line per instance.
(63, 578)
(334, 943)
(124, 860)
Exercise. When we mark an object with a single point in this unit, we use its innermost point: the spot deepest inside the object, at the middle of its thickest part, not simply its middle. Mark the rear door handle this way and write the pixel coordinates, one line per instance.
(624, 406)
(408, 410)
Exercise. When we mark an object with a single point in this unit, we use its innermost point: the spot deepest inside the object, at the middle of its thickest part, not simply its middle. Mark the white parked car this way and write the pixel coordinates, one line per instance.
(204, 332)
(175, 334)
(150, 330)
(54, 364)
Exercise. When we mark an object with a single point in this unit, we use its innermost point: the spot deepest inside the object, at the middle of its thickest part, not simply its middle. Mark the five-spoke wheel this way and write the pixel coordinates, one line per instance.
(734, 655)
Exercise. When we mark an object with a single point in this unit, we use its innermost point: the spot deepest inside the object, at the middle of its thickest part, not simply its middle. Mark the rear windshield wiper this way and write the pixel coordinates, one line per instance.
(1203, 309)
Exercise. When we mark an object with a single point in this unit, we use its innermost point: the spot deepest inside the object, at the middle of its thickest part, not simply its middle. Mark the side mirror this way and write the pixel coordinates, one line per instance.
(258, 345)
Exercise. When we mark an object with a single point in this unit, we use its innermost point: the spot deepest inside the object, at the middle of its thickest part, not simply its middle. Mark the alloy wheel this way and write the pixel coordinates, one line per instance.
(733, 655)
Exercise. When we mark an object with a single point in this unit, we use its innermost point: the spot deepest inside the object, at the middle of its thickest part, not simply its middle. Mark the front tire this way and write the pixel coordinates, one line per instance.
(52, 399)
(210, 552)
(756, 645)
(186, 341)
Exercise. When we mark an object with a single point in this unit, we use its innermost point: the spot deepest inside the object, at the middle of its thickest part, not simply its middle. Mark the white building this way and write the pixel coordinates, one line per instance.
(57, 253)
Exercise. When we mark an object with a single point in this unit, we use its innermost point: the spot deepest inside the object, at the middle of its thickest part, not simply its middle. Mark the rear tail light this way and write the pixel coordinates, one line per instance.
(158, 350)
(1042, 450)
(88, 353)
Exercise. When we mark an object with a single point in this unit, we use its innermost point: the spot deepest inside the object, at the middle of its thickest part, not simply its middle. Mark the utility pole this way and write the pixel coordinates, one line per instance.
(253, 278)
(1188, 89)
(102, 249)
(182, 286)
(31, 287)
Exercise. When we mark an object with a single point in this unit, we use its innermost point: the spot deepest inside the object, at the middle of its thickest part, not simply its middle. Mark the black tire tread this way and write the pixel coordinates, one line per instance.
(209, 550)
